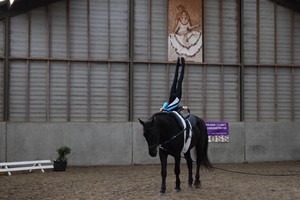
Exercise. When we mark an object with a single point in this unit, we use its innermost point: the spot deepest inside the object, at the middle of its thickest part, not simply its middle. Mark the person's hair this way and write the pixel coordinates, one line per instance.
(181, 7)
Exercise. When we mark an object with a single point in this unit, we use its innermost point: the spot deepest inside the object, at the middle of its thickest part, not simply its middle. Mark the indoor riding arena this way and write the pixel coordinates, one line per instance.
(82, 74)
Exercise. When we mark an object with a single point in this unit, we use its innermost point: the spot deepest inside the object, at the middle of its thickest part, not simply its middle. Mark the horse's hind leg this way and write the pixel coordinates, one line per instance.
(197, 183)
(189, 163)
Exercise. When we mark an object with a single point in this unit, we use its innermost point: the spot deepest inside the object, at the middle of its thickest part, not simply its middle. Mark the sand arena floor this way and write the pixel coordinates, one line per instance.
(143, 182)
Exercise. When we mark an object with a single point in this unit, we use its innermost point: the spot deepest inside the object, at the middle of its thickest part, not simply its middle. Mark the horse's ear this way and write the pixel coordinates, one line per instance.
(143, 123)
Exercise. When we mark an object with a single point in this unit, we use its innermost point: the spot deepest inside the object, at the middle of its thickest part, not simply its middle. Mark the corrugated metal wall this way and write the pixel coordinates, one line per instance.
(210, 90)
(69, 61)
(2, 64)
(272, 62)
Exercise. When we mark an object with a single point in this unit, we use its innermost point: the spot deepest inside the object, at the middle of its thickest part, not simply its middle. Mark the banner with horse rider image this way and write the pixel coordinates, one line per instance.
(185, 30)
(217, 131)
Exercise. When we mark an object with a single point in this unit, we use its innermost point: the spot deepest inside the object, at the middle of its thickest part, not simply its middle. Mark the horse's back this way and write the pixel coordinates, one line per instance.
(195, 121)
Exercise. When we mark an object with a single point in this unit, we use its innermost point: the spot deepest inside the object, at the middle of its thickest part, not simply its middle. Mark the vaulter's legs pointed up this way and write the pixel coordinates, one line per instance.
(176, 89)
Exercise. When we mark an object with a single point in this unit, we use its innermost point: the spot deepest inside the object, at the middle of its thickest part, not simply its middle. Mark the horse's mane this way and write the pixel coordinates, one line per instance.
(158, 114)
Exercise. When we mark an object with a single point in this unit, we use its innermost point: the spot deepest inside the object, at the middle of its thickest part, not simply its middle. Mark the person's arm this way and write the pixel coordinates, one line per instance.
(190, 27)
(164, 106)
(176, 28)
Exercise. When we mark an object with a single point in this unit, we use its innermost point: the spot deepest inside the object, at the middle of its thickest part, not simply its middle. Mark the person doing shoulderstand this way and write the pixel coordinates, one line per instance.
(176, 90)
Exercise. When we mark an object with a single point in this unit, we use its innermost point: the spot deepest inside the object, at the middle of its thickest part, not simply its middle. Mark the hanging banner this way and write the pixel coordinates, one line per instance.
(185, 30)
(217, 131)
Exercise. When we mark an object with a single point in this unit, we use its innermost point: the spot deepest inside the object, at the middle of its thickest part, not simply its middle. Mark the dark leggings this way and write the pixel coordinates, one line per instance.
(176, 89)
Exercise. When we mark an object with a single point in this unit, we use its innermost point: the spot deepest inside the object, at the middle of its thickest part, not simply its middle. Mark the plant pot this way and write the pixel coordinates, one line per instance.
(59, 166)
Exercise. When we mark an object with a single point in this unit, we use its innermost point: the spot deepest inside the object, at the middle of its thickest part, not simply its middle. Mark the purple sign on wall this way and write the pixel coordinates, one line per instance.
(217, 131)
(217, 128)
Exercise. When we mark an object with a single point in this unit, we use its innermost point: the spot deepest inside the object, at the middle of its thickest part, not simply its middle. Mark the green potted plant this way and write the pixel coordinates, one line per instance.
(60, 164)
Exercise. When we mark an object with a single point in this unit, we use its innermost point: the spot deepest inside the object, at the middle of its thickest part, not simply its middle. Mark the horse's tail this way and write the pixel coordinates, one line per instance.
(202, 150)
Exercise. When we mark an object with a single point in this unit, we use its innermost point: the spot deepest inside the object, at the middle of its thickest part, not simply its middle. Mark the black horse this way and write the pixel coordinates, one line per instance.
(163, 131)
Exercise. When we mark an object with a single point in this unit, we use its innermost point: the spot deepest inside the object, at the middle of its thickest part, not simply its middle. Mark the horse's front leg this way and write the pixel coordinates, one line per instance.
(177, 173)
(163, 160)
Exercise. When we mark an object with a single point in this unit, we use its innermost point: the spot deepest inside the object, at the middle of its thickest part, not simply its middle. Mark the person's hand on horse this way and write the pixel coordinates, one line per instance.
(185, 107)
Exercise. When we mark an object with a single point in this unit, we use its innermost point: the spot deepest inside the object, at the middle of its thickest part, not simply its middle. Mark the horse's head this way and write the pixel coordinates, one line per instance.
(151, 136)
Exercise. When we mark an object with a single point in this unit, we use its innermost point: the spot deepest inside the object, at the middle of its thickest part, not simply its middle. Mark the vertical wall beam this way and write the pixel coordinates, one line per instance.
(6, 80)
(89, 117)
(109, 106)
(275, 93)
(221, 30)
(222, 60)
(257, 31)
(68, 63)
(204, 83)
(276, 68)
(149, 30)
(258, 57)
(293, 94)
(258, 93)
(149, 58)
(131, 57)
(28, 67)
(48, 65)
(149, 90)
(109, 92)
(89, 63)
(222, 92)
(275, 33)
(293, 69)
(242, 71)
(242, 99)
(109, 29)
(6, 71)
(203, 55)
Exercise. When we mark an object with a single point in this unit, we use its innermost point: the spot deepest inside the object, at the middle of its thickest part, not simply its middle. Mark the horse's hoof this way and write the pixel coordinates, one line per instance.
(197, 184)
(190, 185)
(162, 193)
(177, 190)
